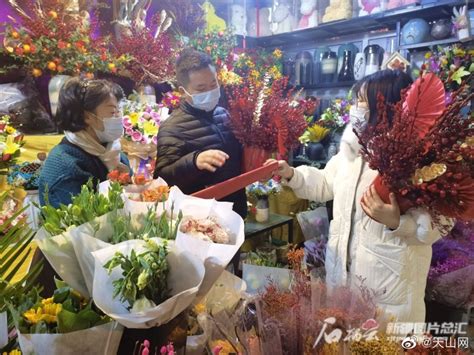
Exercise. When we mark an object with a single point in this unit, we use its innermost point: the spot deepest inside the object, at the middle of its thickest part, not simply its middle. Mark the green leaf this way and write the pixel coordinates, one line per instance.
(70, 322)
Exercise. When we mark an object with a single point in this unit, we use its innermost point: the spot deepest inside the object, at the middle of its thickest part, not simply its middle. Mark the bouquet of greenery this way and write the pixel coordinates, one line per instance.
(55, 237)
(83, 208)
(65, 322)
(143, 283)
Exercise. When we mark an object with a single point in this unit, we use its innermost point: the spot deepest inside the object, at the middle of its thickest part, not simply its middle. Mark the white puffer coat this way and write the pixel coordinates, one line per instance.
(394, 263)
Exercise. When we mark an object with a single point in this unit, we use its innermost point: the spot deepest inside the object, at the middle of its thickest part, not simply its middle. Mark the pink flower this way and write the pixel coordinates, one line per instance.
(126, 122)
(146, 116)
(146, 344)
(137, 136)
(145, 351)
(155, 139)
(129, 132)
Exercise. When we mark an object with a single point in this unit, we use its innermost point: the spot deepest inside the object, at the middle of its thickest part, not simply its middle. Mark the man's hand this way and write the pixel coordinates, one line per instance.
(375, 208)
(211, 159)
(284, 170)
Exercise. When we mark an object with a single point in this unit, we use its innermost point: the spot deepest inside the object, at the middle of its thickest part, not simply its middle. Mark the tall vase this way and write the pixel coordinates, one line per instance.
(54, 86)
(254, 158)
(263, 210)
(359, 66)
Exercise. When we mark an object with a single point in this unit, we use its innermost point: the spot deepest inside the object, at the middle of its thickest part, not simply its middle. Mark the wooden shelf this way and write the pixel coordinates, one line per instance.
(377, 22)
(341, 84)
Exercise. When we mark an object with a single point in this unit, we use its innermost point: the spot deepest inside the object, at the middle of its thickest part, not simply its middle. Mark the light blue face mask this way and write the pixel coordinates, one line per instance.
(113, 129)
(206, 101)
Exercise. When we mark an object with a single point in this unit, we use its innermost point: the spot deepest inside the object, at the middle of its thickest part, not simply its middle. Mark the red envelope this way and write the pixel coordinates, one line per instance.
(237, 183)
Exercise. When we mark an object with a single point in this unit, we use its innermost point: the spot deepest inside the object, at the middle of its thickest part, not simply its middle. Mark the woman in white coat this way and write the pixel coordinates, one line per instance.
(393, 255)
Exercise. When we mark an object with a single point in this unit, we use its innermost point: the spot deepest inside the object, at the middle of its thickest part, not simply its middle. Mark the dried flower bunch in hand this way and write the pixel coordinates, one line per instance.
(425, 155)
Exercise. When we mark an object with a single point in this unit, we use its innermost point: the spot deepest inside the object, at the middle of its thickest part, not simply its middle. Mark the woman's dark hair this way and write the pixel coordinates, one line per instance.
(389, 83)
(78, 96)
(190, 60)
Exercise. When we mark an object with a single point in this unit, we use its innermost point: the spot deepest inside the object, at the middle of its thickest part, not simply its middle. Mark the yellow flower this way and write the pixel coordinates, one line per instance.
(10, 130)
(254, 74)
(277, 53)
(150, 128)
(444, 61)
(200, 308)
(46, 301)
(428, 55)
(47, 312)
(10, 146)
(275, 72)
(134, 118)
(459, 52)
(13, 352)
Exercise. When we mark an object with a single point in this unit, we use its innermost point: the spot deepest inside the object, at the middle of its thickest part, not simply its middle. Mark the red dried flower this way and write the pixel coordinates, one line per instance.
(280, 123)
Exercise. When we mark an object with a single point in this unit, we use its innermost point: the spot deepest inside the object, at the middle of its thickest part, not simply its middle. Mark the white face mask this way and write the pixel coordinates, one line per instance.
(358, 115)
(206, 101)
(113, 130)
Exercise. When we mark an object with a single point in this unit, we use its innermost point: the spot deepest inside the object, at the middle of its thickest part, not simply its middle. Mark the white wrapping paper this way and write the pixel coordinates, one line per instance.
(142, 207)
(59, 252)
(101, 340)
(185, 277)
(215, 256)
(86, 239)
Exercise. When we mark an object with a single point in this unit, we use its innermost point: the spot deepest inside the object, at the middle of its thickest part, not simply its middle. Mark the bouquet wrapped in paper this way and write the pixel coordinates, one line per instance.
(141, 124)
(425, 154)
(145, 283)
(54, 237)
(211, 231)
(116, 227)
(66, 323)
(139, 193)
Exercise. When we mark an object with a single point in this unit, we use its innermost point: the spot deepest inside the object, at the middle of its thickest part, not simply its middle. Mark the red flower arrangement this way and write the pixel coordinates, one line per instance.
(266, 120)
(153, 53)
(426, 156)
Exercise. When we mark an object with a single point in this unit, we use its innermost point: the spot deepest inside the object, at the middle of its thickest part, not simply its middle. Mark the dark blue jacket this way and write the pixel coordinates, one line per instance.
(66, 169)
(187, 133)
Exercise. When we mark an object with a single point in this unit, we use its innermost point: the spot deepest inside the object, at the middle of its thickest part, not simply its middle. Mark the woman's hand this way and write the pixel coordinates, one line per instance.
(284, 170)
(375, 208)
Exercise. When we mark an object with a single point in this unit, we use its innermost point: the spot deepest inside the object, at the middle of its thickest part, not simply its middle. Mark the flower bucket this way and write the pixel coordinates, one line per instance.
(254, 158)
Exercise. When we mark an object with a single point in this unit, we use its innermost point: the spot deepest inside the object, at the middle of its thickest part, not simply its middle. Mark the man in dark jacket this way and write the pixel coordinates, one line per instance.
(196, 146)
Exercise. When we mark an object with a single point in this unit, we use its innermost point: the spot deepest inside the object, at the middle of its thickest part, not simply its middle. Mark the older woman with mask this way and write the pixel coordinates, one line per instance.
(88, 113)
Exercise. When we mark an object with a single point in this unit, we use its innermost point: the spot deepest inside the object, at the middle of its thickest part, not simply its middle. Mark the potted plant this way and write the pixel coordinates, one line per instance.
(260, 191)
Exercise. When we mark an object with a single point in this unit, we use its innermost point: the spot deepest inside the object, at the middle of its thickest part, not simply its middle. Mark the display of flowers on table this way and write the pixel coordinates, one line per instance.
(50, 39)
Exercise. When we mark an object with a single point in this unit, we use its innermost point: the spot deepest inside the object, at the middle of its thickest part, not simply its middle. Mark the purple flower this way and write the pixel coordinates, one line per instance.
(345, 118)
(457, 62)
(136, 136)
(155, 140)
(434, 65)
(448, 98)
(148, 109)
